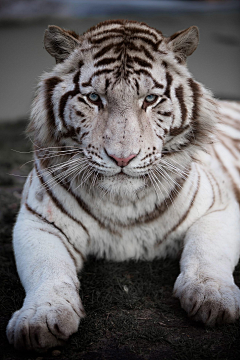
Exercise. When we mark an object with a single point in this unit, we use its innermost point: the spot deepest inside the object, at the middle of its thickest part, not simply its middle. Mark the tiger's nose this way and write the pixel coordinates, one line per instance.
(122, 161)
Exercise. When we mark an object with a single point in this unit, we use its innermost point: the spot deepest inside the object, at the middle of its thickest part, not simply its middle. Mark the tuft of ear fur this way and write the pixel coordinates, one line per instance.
(59, 43)
(184, 43)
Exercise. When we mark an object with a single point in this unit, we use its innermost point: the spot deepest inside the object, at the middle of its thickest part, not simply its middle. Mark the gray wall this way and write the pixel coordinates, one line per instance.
(215, 63)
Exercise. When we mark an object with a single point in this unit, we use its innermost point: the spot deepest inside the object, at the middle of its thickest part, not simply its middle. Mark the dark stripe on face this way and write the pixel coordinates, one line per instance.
(169, 80)
(113, 31)
(83, 135)
(157, 85)
(57, 202)
(147, 41)
(196, 94)
(138, 30)
(162, 100)
(180, 97)
(83, 101)
(164, 64)
(96, 73)
(141, 62)
(178, 130)
(147, 73)
(107, 83)
(66, 96)
(132, 46)
(165, 113)
(106, 61)
(52, 224)
(104, 38)
(50, 86)
(137, 85)
(79, 113)
(103, 51)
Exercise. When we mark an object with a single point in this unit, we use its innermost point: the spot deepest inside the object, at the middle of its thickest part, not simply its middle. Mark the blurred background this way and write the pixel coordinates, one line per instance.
(22, 23)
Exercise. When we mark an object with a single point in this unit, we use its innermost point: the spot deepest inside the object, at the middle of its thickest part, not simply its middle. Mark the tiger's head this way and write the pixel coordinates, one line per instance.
(122, 96)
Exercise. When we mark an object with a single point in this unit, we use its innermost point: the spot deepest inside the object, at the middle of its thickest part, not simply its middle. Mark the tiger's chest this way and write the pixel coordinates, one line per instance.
(148, 228)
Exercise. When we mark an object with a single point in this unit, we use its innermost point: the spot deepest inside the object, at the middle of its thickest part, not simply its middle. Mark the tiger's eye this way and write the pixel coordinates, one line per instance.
(94, 97)
(150, 98)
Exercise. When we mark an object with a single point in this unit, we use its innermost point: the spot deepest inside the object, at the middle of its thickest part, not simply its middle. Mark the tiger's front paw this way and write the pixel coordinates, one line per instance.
(42, 326)
(208, 300)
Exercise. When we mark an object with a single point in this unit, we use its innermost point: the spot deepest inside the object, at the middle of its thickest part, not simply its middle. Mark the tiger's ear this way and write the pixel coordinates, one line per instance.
(59, 42)
(184, 42)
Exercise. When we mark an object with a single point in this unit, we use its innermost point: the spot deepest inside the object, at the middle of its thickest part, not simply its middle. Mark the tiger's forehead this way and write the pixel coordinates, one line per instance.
(123, 50)
(127, 41)
(122, 29)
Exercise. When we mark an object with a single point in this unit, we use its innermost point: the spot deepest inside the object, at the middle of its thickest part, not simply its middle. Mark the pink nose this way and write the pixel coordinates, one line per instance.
(123, 161)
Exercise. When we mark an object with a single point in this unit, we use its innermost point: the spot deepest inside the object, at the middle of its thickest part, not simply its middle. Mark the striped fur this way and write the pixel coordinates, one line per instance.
(133, 159)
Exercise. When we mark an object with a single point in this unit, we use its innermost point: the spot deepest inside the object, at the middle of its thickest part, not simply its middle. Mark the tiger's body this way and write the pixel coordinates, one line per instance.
(133, 160)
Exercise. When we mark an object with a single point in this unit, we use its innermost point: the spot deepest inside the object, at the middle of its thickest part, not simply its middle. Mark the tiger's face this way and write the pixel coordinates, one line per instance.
(123, 128)
(123, 95)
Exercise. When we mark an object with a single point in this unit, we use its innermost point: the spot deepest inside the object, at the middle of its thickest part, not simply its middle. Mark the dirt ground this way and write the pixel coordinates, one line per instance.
(131, 313)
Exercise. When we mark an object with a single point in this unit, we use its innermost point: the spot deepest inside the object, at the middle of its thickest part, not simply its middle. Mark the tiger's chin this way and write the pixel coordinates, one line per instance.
(123, 186)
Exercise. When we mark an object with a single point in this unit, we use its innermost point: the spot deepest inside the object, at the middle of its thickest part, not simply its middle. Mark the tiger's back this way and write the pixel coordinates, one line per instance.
(227, 150)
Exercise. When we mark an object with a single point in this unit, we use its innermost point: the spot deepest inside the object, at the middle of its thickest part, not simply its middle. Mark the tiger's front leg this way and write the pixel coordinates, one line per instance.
(52, 308)
(205, 286)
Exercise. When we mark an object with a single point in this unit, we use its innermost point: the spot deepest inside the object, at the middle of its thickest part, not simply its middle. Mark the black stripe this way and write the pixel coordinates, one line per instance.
(181, 220)
(113, 31)
(180, 97)
(164, 64)
(50, 86)
(58, 229)
(83, 135)
(165, 113)
(103, 51)
(169, 80)
(161, 208)
(79, 113)
(147, 73)
(141, 48)
(231, 149)
(141, 62)
(104, 38)
(57, 202)
(196, 94)
(137, 85)
(141, 30)
(66, 96)
(96, 73)
(178, 130)
(83, 101)
(107, 83)
(213, 192)
(147, 41)
(226, 171)
(86, 208)
(106, 61)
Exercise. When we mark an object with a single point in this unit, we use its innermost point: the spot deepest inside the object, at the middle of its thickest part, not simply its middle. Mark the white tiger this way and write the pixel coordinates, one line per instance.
(133, 160)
